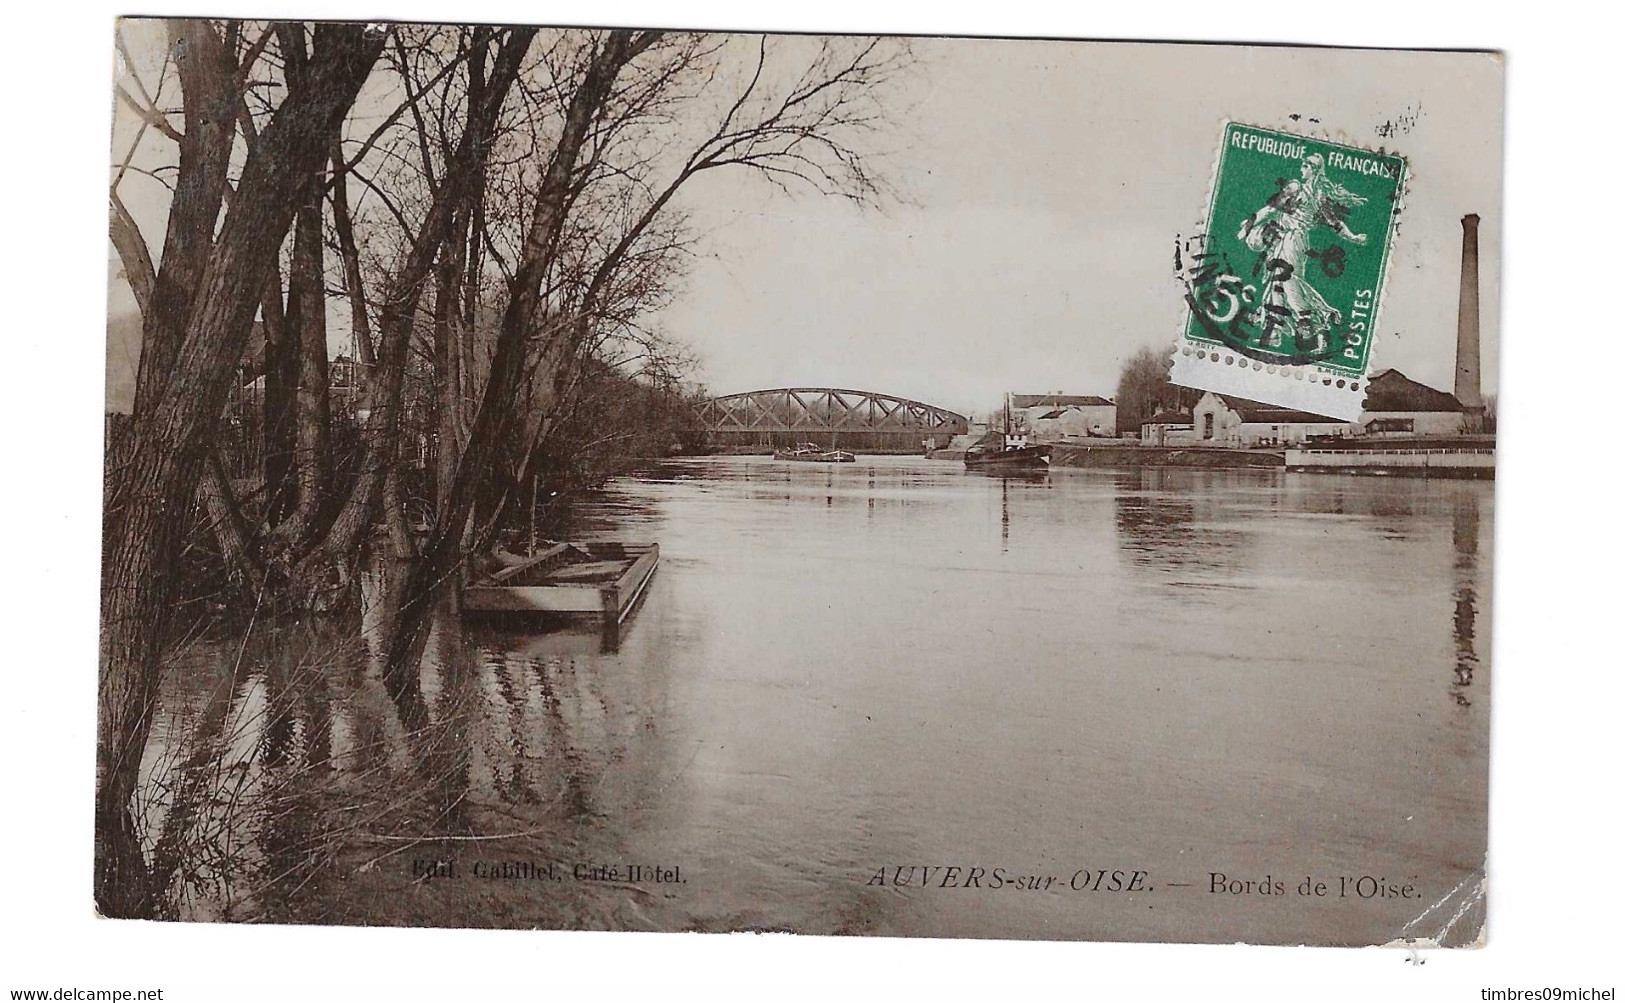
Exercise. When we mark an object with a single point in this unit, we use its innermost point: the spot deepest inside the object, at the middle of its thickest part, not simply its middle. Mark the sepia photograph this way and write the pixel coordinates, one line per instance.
(810, 501)
(635, 479)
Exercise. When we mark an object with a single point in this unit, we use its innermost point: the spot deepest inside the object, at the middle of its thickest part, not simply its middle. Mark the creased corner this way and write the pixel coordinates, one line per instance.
(1455, 920)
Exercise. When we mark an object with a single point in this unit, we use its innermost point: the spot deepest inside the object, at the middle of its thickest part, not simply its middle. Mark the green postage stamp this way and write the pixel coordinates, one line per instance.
(1285, 284)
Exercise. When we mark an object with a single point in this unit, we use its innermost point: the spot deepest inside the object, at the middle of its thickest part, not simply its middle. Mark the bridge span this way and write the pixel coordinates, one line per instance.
(856, 420)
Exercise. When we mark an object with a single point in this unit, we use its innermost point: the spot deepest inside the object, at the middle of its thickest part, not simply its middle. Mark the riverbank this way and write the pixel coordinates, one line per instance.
(769, 450)
(1072, 455)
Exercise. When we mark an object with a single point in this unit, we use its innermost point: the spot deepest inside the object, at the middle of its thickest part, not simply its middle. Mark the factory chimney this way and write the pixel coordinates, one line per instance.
(1467, 385)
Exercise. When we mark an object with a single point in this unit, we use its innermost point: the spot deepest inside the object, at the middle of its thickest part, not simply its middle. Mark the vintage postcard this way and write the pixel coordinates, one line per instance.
(632, 479)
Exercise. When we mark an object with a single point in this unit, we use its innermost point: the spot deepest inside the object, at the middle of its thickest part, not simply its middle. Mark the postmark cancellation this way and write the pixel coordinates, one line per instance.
(1284, 283)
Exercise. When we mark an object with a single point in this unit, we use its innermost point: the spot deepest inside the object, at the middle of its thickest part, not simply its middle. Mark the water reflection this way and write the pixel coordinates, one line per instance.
(283, 774)
(1464, 531)
(1181, 520)
(882, 663)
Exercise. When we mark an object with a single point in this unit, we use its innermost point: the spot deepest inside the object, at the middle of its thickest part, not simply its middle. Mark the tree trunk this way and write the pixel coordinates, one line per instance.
(448, 382)
(381, 444)
(277, 403)
(435, 568)
(180, 397)
(209, 105)
(307, 327)
(344, 229)
(230, 529)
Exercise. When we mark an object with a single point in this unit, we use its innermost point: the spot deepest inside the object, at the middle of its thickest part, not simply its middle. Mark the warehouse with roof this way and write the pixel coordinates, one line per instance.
(1052, 417)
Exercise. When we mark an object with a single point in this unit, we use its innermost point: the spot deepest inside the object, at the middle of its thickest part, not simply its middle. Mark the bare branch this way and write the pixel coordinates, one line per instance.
(133, 252)
(149, 115)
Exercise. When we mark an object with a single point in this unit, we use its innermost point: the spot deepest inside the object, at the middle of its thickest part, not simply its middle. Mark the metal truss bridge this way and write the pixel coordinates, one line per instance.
(856, 420)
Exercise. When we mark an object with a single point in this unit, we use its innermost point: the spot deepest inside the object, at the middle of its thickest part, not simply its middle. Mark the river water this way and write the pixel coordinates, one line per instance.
(843, 674)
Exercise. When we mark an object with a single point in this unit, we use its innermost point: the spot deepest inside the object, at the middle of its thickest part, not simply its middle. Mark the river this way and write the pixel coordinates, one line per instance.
(843, 670)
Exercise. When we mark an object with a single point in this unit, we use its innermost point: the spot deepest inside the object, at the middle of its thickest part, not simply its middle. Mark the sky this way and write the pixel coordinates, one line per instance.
(1043, 184)
(1039, 188)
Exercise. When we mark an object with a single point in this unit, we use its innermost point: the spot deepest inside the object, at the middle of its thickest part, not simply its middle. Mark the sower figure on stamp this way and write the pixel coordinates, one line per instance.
(1280, 231)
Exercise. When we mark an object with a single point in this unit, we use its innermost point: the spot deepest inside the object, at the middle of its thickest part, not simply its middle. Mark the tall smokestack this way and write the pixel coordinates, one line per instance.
(1467, 390)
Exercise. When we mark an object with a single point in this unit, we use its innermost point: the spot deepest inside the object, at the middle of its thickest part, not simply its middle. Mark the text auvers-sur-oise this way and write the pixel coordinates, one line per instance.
(532, 870)
(966, 876)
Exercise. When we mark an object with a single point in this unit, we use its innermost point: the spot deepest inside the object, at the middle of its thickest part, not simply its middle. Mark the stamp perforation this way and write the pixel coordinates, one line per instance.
(1318, 333)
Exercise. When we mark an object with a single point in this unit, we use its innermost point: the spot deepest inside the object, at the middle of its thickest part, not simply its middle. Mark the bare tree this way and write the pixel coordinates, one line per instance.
(405, 285)
(204, 293)
(610, 173)
(1143, 388)
(501, 239)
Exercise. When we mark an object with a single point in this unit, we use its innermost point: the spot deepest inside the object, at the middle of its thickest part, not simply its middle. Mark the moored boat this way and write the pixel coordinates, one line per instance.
(603, 579)
(809, 452)
(1000, 456)
(1006, 450)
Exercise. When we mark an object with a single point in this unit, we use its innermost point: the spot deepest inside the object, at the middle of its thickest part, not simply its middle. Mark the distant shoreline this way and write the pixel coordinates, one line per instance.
(1123, 455)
